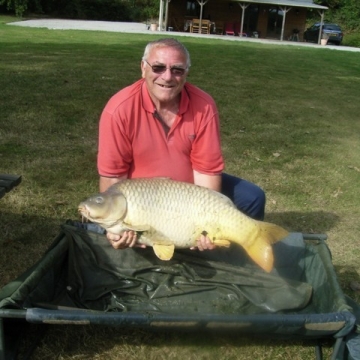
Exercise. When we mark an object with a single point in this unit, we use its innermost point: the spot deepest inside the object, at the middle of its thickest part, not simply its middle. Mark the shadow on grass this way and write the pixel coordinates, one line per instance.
(26, 228)
(317, 222)
(73, 342)
(23, 241)
(349, 280)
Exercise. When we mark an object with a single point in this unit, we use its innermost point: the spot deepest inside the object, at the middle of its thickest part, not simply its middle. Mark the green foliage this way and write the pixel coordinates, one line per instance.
(344, 12)
(352, 39)
(348, 15)
(150, 8)
(110, 10)
(19, 7)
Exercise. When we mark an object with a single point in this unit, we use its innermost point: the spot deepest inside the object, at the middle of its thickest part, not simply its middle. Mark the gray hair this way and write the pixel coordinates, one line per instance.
(167, 42)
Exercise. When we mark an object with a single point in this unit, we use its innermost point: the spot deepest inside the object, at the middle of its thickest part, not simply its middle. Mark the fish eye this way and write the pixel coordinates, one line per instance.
(99, 199)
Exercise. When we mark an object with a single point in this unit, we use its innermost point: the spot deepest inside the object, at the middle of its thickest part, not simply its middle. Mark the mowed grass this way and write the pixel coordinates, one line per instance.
(289, 122)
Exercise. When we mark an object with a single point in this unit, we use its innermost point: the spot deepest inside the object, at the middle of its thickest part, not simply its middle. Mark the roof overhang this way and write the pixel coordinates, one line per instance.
(293, 3)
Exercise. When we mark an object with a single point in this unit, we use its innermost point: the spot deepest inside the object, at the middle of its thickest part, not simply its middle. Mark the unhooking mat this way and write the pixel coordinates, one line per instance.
(82, 279)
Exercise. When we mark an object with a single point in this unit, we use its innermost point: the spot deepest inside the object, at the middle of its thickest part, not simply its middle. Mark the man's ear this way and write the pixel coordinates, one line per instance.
(142, 66)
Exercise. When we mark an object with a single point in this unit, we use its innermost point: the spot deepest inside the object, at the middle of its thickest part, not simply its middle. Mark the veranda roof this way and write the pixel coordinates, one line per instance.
(294, 3)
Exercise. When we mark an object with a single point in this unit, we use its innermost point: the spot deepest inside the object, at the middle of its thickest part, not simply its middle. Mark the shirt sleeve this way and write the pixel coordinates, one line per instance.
(206, 154)
(114, 149)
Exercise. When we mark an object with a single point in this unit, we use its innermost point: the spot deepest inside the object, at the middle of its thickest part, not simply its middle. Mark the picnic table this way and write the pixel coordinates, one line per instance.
(8, 182)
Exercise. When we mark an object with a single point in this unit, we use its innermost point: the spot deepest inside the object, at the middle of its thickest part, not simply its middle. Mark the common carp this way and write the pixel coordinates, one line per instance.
(172, 214)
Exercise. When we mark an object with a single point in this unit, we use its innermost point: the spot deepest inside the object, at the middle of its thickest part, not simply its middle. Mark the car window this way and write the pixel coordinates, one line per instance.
(332, 27)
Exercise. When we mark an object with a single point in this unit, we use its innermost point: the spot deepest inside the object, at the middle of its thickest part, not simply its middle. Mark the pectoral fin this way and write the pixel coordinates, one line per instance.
(164, 252)
(135, 227)
(224, 243)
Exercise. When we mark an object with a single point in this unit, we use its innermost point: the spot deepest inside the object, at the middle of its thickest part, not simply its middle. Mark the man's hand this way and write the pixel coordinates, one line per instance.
(204, 243)
(123, 241)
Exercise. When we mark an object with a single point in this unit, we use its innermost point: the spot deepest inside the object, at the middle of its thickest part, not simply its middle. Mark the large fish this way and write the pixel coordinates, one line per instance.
(171, 214)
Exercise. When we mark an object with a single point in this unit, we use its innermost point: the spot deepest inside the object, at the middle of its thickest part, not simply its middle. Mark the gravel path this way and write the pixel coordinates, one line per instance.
(141, 28)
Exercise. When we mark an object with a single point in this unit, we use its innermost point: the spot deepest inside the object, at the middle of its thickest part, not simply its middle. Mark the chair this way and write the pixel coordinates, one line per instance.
(237, 27)
(219, 28)
(205, 26)
(229, 29)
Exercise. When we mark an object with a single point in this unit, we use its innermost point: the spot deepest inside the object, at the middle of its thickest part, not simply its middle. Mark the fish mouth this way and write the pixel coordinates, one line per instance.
(85, 214)
(86, 217)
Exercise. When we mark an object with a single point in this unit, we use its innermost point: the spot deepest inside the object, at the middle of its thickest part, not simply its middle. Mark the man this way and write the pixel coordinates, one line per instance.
(162, 126)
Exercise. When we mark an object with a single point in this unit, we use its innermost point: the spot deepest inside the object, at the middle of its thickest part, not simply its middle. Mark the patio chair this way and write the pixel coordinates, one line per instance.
(205, 26)
(219, 28)
(229, 29)
(237, 27)
(195, 26)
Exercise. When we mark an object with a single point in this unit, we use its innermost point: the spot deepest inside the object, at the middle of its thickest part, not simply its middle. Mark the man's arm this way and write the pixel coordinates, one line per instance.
(210, 181)
(106, 182)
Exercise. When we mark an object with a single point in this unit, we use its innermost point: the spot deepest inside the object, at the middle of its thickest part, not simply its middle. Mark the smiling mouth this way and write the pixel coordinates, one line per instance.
(166, 86)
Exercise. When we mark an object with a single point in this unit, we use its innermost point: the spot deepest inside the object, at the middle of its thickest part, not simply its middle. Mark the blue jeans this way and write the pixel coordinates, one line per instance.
(248, 197)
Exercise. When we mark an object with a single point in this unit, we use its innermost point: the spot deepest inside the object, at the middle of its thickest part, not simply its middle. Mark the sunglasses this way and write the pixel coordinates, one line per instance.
(160, 69)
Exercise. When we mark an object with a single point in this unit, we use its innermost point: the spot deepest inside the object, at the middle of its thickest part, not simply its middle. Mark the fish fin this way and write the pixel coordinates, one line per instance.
(260, 249)
(135, 227)
(261, 253)
(164, 252)
(272, 232)
(220, 242)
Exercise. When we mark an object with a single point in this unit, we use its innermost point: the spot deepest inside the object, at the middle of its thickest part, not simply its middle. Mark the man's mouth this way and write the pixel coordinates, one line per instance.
(166, 86)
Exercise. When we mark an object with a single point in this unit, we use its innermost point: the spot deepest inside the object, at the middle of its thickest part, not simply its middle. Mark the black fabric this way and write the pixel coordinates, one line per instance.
(101, 278)
(81, 271)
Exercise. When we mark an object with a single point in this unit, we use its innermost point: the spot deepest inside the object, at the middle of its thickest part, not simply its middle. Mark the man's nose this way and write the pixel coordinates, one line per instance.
(167, 74)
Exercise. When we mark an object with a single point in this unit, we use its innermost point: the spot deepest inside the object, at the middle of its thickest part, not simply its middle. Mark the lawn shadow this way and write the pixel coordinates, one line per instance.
(349, 280)
(24, 239)
(70, 342)
(317, 222)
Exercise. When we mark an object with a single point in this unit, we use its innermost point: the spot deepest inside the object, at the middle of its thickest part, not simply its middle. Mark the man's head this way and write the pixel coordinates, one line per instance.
(165, 65)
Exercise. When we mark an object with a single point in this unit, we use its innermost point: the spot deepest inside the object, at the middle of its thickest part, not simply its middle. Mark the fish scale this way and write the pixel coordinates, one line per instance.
(172, 201)
(171, 214)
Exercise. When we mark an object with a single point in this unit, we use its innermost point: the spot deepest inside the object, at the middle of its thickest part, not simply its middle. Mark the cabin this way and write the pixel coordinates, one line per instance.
(268, 19)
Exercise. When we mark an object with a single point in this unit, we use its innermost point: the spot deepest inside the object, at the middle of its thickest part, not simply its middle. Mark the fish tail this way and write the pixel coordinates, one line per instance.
(259, 247)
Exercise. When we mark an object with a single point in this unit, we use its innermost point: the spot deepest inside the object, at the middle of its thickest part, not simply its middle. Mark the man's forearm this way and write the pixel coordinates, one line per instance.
(106, 182)
(210, 181)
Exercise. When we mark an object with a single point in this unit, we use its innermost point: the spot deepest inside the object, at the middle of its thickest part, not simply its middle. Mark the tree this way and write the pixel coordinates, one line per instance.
(18, 6)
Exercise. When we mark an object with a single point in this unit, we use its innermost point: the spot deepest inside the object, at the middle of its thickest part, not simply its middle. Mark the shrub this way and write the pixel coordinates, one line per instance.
(352, 39)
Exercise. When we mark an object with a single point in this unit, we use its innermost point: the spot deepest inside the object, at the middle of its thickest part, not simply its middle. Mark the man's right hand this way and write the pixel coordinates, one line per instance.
(123, 241)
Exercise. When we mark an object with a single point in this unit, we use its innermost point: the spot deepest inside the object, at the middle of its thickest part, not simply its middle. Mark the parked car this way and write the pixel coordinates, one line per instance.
(332, 31)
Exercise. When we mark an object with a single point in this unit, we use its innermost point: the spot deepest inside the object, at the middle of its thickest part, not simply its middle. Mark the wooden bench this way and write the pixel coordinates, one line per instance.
(8, 182)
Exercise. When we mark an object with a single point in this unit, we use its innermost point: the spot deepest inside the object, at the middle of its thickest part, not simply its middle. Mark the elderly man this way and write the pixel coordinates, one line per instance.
(163, 126)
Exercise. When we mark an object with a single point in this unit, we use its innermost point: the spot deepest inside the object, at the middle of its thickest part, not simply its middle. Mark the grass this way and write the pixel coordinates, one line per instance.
(289, 122)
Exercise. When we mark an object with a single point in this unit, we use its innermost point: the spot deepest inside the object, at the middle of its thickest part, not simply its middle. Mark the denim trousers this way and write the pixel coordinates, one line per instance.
(247, 197)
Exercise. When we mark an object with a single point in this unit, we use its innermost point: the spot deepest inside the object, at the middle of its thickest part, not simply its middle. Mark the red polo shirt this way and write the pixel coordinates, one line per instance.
(133, 142)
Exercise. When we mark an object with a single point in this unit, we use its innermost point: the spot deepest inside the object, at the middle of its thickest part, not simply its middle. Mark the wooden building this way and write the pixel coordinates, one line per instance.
(271, 19)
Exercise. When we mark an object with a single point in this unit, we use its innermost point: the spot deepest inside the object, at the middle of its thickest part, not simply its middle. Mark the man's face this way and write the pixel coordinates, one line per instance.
(165, 87)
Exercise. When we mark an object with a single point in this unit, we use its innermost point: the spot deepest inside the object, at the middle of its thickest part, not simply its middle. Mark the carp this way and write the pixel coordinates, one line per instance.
(172, 214)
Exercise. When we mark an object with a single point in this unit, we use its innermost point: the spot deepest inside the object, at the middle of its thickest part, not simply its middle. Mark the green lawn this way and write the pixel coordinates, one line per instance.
(289, 122)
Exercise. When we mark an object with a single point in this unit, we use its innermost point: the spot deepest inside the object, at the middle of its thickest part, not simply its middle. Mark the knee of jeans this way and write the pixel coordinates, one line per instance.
(261, 197)
(256, 206)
